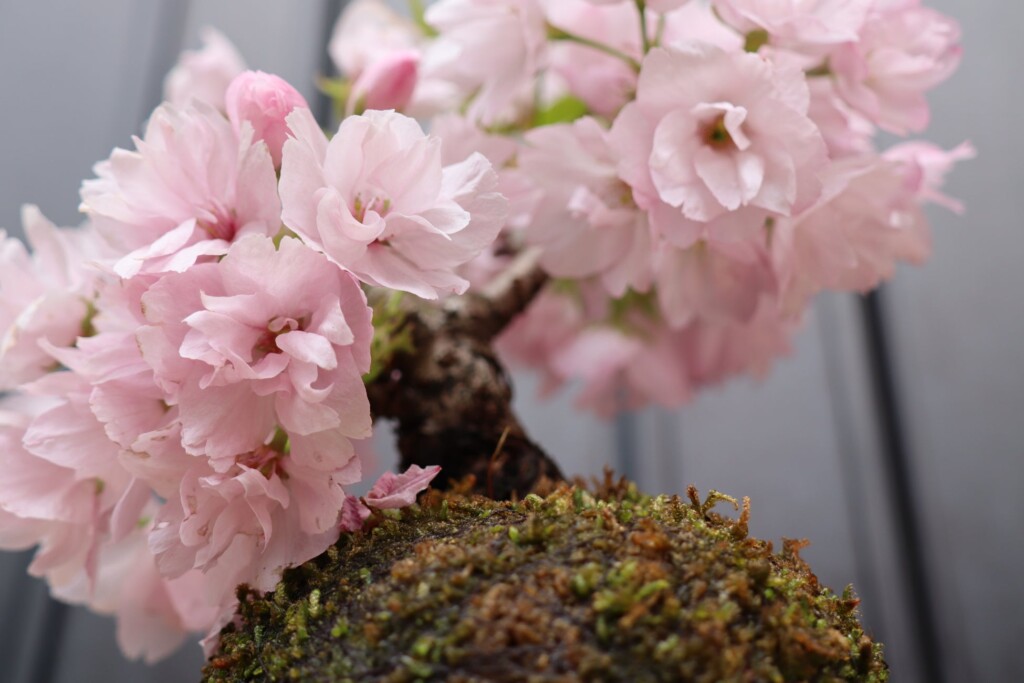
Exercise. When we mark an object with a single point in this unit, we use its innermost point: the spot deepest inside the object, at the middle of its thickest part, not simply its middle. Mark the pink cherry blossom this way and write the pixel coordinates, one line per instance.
(845, 131)
(904, 50)
(204, 74)
(797, 23)
(353, 515)
(154, 614)
(653, 5)
(933, 164)
(716, 142)
(377, 201)
(721, 349)
(492, 48)
(242, 347)
(697, 22)
(603, 81)
(62, 511)
(379, 51)
(627, 370)
(706, 282)
(264, 101)
(399, 490)
(191, 188)
(587, 223)
(43, 296)
(368, 31)
(248, 524)
(388, 83)
(869, 219)
(622, 361)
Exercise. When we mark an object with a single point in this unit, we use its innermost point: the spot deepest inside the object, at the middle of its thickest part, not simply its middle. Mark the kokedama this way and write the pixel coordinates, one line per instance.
(638, 197)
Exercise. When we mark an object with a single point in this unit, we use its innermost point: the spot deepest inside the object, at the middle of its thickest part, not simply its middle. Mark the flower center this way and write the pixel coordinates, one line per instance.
(716, 134)
(224, 227)
(376, 204)
(266, 344)
(269, 459)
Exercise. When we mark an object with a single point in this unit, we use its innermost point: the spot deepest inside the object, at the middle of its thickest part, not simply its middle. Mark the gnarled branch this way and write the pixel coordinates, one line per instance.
(451, 397)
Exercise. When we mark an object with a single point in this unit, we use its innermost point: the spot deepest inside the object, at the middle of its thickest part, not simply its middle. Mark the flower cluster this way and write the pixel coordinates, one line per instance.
(691, 172)
(185, 370)
(187, 366)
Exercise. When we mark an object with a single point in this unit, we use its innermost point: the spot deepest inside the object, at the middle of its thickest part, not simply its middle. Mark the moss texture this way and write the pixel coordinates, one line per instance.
(604, 586)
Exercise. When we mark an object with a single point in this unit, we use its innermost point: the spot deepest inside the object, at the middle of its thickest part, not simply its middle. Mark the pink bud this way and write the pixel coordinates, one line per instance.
(264, 100)
(387, 83)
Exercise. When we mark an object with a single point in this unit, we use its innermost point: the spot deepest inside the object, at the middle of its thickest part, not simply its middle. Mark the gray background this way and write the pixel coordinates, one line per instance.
(814, 445)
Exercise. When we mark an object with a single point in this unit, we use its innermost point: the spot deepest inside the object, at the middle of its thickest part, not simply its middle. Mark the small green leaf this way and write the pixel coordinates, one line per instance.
(564, 110)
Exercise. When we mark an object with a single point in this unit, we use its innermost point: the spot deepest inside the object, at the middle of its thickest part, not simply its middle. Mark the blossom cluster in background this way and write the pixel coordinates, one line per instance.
(185, 369)
(691, 172)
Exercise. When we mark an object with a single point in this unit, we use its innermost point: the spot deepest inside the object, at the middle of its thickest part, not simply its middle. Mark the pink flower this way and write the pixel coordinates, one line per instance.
(492, 48)
(388, 83)
(552, 321)
(627, 369)
(707, 282)
(400, 490)
(367, 32)
(377, 201)
(43, 296)
(653, 5)
(63, 511)
(718, 139)
(721, 349)
(248, 524)
(933, 163)
(797, 24)
(264, 101)
(112, 419)
(154, 614)
(265, 338)
(904, 50)
(845, 131)
(380, 52)
(191, 188)
(697, 22)
(587, 223)
(603, 81)
(869, 219)
(621, 356)
(204, 74)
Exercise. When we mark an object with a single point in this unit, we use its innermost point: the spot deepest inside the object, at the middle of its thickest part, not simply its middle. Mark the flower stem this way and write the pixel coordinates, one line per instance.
(645, 41)
(555, 33)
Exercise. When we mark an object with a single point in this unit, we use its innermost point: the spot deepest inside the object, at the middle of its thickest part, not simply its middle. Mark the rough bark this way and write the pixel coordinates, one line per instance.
(452, 399)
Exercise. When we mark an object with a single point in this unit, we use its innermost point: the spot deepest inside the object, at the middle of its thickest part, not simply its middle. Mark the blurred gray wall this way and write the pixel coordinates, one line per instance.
(919, 392)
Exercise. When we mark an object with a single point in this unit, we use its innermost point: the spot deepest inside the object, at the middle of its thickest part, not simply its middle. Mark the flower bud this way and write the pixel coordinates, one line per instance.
(264, 100)
(387, 83)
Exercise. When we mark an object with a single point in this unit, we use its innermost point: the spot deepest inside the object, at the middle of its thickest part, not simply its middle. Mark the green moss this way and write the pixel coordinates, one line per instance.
(613, 586)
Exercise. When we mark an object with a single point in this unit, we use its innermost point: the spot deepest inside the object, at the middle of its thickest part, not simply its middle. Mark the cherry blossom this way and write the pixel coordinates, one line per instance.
(191, 188)
(263, 101)
(204, 74)
(377, 201)
(902, 51)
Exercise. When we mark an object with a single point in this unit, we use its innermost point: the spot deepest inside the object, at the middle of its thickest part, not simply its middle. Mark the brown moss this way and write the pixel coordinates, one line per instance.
(610, 586)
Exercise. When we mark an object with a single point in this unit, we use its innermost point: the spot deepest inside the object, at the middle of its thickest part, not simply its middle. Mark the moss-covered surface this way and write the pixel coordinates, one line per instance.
(610, 586)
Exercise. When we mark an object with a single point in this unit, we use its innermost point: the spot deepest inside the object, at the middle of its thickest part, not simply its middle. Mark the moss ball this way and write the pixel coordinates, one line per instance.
(577, 586)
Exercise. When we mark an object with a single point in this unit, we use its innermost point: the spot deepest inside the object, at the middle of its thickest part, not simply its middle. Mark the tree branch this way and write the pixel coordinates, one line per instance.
(451, 397)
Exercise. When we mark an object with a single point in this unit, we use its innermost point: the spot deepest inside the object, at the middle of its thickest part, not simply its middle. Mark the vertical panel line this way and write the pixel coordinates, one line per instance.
(852, 473)
(48, 641)
(323, 107)
(902, 492)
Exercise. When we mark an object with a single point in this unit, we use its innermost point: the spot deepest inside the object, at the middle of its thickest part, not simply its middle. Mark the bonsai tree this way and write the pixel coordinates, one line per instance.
(638, 196)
